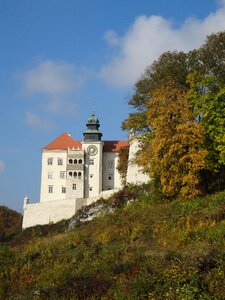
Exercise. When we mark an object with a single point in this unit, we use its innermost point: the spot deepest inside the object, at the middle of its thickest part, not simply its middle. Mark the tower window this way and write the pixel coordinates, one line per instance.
(74, 187)
(70, 161)
(62, 175)
(75, 161)
(90, 188)
(91, 162)
(80, 161)
(75, 174)
(110, 164)
(50, 161)
(60, 161)
(63, 189)
(79, 175)
(50, 189)
(70, 174)
(91, 175)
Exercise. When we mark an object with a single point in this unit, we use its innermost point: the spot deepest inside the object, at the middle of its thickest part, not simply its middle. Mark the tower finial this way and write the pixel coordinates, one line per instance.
(93, 107)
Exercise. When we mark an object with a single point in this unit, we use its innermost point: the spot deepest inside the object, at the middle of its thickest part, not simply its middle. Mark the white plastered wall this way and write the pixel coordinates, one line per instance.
(56, 182)
(111, 178)
(134, 172)
(48, 212)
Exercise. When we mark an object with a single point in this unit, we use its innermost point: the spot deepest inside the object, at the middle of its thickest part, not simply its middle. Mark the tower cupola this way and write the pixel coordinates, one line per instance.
(92, 132)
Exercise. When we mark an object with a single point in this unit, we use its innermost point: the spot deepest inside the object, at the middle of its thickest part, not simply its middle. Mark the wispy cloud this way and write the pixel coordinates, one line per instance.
(52, 78)
(53, 83)
(35, 121)
(2, 166)
(149, 37)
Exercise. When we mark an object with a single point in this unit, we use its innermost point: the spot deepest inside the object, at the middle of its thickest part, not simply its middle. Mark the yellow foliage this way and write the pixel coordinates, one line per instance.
(175, 151)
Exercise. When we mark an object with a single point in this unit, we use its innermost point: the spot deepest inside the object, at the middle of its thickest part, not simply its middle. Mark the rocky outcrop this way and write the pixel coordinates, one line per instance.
(90, 212)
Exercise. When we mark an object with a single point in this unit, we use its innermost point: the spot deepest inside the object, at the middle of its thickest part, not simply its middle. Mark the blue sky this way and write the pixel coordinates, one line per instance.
(58, 57)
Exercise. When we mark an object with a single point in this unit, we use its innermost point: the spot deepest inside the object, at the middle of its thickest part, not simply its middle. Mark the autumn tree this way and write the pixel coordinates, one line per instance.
(173, 64)
(195, 83)
(176, 153)
(122, 164)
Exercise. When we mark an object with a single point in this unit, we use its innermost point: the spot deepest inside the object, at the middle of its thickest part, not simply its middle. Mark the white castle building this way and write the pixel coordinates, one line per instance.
(77, 173)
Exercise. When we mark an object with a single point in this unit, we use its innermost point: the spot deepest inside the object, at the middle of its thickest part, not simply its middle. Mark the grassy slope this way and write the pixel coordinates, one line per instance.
(146, 250)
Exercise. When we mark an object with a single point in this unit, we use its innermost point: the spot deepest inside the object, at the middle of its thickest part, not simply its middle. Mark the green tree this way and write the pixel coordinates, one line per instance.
(173, 64)
(207, 93)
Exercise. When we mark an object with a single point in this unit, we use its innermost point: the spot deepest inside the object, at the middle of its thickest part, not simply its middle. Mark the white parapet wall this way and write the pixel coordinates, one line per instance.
(43, 213)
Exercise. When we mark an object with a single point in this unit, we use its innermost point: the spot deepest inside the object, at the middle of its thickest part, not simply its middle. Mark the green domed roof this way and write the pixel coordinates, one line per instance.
(92, 132)
(93, 120)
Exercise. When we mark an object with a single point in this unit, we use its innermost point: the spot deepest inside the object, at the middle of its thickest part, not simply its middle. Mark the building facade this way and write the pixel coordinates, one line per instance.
(76, 173)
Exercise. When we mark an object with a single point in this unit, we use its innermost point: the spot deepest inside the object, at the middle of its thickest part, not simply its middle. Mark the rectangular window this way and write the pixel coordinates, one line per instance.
(60, 161)
(50, 161)
(74, 186)
(62, 175)
(63, 189)
(50, 175)
(110, 164)
(91, 162)
(50, 189)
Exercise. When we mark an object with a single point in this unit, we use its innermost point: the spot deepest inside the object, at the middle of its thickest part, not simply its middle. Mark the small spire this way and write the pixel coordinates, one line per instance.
(93, 108)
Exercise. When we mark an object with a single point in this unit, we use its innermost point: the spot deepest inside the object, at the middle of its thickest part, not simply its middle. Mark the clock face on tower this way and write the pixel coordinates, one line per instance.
(92, 150)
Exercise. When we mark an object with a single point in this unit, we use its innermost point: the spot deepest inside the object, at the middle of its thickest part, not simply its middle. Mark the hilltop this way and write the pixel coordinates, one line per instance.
(147, 248)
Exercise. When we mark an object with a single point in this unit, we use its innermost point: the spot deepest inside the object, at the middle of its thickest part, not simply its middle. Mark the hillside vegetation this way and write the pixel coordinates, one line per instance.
(10, 223)
(144, 249)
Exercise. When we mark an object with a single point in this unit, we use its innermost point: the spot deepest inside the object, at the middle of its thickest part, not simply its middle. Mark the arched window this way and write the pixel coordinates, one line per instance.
(70, 174)
(70, 161)
(75, 161)
(80, 161)
(79, 175)
(75, 174)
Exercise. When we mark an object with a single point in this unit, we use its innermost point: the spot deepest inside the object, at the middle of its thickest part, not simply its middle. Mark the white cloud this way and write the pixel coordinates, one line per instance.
(54, 82)
(35, 121)
(52, 78)
(149, 37)
(2, 166)
(111, 38)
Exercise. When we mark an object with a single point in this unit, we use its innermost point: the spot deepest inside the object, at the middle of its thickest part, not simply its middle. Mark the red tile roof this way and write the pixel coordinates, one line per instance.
(63, 142)
(114, 146)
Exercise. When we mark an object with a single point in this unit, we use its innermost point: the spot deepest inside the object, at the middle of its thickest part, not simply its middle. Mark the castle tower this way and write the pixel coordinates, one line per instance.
(93, 147)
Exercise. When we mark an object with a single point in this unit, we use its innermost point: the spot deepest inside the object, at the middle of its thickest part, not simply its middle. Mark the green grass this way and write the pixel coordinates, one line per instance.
(145, 250)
